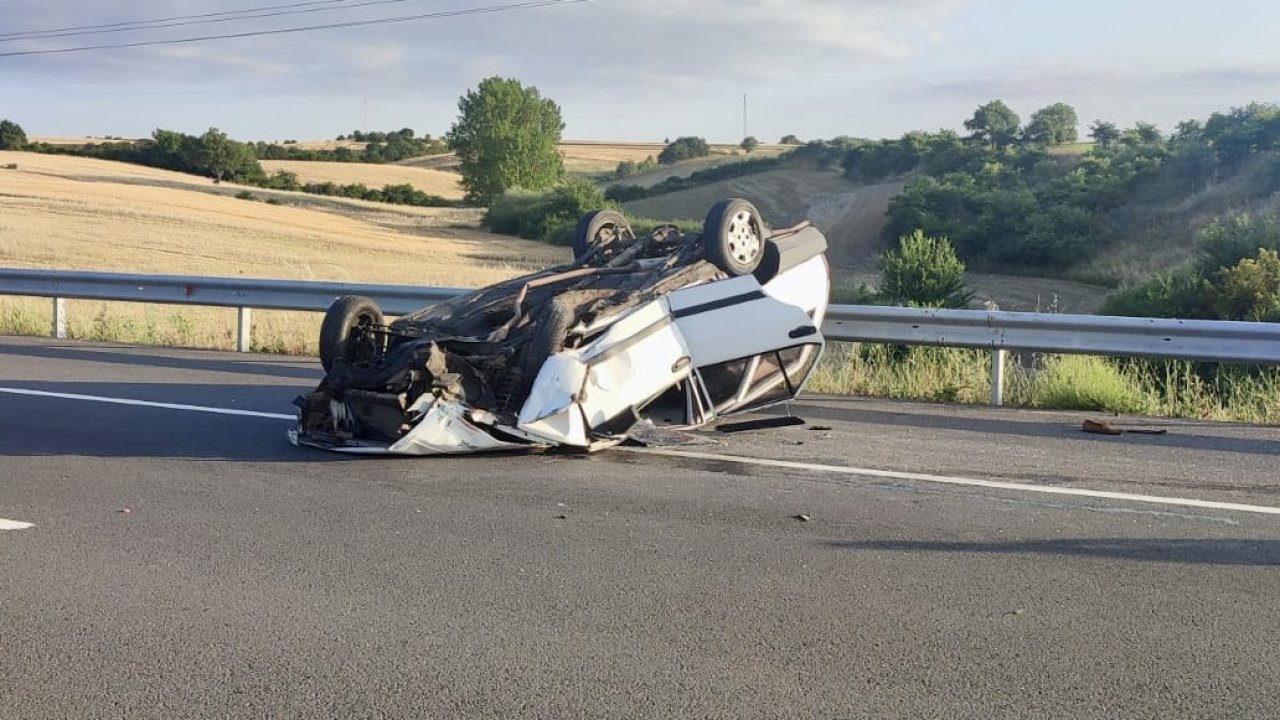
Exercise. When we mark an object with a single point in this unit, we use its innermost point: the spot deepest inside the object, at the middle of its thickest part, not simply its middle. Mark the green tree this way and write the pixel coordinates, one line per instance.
(994, 124)
(1104, 133)
(12, 137)
(684, 148)
(790, 140)
(1248, 291)
(506, 137)
(923, 272)
(1053, 125)
(222, 158)
(749, 143)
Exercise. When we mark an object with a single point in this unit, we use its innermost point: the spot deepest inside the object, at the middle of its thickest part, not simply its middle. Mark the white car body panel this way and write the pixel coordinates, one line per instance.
(806, 286)
(443, 430)
(636, 359)
(735, 318)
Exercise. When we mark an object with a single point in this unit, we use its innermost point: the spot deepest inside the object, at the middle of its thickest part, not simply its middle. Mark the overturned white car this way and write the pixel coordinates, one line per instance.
(669, 328)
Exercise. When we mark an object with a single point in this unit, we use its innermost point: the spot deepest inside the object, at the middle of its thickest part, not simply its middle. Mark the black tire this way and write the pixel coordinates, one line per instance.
(733, 236)
(548, 338)
(599, 227)
(342, 332)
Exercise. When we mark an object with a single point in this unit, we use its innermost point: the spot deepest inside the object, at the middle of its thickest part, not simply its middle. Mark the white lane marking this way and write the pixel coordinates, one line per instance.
(788, 464)
(13, 525)
(148, 403)
(970, 482)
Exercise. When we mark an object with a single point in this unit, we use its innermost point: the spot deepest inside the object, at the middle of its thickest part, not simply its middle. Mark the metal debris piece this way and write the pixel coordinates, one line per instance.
(761, 424)
(1104, 428)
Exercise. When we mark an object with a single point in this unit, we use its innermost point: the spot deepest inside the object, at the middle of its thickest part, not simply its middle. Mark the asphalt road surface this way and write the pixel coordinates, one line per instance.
(164, 561)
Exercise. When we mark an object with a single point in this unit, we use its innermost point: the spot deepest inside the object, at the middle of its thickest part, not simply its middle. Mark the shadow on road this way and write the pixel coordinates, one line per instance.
(921, 416)
(283, 368)
(33, 426)
(1262, 553)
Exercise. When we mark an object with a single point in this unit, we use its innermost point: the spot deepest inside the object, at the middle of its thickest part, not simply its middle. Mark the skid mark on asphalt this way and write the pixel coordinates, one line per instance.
(759, 462)
(966, 482)
(14, 525)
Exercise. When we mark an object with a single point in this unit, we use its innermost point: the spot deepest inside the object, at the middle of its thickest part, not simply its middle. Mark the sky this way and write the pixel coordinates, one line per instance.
(638, 70)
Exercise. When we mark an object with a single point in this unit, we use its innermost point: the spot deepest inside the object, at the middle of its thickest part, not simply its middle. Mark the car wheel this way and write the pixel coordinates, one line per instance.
(733, 236)
(344, 332)
(548, 338)
(599, 228)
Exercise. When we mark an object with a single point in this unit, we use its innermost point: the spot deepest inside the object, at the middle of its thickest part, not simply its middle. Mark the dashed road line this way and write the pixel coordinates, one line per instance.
(14, 525)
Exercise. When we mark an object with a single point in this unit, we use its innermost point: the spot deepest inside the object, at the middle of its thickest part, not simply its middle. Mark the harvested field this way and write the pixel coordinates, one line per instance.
(433, 182)
(602, 157)
(721, 155)
(83, 214)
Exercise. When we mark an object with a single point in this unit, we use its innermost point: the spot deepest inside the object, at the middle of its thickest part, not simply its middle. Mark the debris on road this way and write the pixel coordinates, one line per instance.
(1105, 428)
(646, 434)
(761, 424)
(801, 517)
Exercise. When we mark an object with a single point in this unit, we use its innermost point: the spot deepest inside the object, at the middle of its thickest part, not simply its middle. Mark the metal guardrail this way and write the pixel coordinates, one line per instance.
(999, 332)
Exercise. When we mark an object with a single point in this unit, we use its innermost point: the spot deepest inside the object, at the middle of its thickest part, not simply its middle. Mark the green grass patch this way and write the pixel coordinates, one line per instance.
(1084, 382)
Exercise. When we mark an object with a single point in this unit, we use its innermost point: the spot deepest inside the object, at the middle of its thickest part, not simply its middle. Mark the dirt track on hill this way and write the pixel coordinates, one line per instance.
(850, 215)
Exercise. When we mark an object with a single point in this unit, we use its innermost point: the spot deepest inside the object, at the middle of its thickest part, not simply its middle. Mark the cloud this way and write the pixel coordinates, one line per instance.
(1064, 78)
(625, 40)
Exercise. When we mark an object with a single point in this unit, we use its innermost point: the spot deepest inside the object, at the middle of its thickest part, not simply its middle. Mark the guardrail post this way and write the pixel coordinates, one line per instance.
(997, 377)
(244, 329)
(60, 318)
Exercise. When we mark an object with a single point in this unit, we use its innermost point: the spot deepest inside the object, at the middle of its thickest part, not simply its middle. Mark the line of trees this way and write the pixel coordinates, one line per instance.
(381, 147)
(1009, 203)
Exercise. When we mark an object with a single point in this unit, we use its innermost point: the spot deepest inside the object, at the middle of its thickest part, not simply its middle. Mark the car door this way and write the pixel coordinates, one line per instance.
(752, 346)
(735, 318)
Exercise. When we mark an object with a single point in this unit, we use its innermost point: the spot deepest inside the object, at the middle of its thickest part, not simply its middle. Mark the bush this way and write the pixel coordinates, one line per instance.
(684, 148)
(1085, 382)
(549, 215)
(627, 168)
(12, 136)
(923, 272)
(1226, 242)
(627, 193)
(246, 195)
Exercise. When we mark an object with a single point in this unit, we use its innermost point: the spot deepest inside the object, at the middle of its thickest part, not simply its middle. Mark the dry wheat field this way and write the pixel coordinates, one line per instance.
(85, 214)
(433, 182)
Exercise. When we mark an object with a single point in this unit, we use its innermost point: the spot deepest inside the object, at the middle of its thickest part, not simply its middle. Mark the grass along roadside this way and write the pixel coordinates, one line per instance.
(1061, 382)
(1058, 382)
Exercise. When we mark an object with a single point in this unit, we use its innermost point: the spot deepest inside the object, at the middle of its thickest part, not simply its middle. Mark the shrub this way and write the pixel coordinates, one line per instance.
(1085, 382)
(684, 148)
(923, 272)
(246, 195)
(12, 137)
(549, 215)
